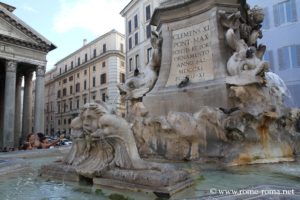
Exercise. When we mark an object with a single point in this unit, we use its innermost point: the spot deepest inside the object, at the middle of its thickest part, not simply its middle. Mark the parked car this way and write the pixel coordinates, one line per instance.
(65, 142)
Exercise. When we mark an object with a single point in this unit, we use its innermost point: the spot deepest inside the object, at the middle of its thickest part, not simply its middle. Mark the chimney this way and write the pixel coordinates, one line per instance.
(84, 42)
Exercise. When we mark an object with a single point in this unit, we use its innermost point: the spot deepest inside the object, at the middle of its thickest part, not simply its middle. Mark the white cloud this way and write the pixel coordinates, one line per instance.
(97, 16)
(29, 8)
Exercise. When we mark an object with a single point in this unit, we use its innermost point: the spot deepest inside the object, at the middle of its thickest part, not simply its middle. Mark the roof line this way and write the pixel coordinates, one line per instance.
(93, 41)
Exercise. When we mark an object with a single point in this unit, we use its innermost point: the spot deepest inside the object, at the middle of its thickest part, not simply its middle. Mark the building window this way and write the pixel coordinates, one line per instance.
(103, 78)
(122, 77)
(103, 97)
(285, 12)
(78, 61)
(94, 81)
(130, 43)
(65, 81)
(130, 64)
(77, 87)
(65, 107)
(66, 68)
(95, 53)
(289, 57)
(104, 48)
(148, 31)
(71, 78)
(58, 94)
(65, 92)
(295, 54)
(65, 121)
(129, 26)
(94, 97)
(71, 104)
(71, 89)
(59, 70)
(148, 13)
(77, 103)
(266, 22)
(149, 54)
(58, 122)
(69, 121)
(136, 38)
(94, 68)
(58, 107)
(84, 100)
(137, 61)
(122, 47)
(77, 75)
(284, 58)
(103, 64)
(71, 64)
(84, 85)
(85, 72)
(135, 21)
(85, 57)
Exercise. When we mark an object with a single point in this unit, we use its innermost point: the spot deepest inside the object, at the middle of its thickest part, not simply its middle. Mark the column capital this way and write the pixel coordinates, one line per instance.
(11, 66)
(40, 70)
(28, 74)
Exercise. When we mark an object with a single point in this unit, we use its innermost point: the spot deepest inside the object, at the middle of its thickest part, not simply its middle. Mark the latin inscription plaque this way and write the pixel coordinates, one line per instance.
(191, 54)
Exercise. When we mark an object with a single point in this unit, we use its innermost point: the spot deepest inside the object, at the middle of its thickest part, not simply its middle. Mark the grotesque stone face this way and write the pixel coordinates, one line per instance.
(89, 121)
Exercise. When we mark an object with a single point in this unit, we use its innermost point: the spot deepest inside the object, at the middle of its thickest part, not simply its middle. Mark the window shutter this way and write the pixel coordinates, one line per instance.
(276, 15)
(266, 22)
(298, 55)
(294, 10)
(280, 58)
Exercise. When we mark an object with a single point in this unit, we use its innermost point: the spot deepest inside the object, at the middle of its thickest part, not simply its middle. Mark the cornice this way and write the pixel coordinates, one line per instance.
(83, 65)
(23, 43)
(46, 45)
(90, 44)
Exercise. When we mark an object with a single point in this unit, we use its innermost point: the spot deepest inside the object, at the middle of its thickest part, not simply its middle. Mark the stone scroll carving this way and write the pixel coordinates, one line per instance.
(40, 70)
(245, 66)
(143, 81)
(11, 66)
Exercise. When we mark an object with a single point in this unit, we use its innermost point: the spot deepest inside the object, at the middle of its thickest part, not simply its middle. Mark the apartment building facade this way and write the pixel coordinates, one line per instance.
(137, 14)
(281, 29)
(89, 74)
(50, 100)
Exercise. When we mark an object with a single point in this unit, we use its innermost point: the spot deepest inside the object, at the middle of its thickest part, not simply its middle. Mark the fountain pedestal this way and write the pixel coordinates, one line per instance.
(194, 47)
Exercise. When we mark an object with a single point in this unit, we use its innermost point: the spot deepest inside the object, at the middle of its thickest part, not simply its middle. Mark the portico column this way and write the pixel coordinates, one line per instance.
(27, 105)
(39, 100)
(9, 104)
(18, 111)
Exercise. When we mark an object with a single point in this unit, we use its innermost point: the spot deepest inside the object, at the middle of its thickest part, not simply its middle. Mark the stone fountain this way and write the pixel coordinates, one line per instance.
(206, 95)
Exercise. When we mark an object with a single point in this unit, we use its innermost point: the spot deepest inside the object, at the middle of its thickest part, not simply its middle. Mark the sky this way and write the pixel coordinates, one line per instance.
(67, 22)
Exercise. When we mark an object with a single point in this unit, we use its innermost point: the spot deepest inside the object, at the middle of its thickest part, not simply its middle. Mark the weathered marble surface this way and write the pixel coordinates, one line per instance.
(104, 148)
(257, 129)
